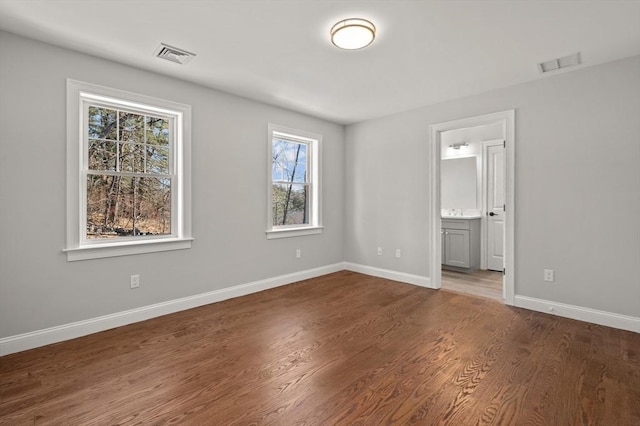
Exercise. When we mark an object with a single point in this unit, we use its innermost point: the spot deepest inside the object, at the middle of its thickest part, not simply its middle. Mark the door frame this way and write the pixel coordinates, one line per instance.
(507, 120)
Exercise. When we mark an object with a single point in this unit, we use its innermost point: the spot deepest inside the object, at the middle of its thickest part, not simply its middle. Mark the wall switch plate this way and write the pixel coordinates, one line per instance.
(398, 253)
(135, 281)
(379, 251)
(549, 275)
(298, 253)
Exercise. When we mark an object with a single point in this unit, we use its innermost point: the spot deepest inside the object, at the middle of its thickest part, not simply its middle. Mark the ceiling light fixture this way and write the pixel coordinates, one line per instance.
(353, 33)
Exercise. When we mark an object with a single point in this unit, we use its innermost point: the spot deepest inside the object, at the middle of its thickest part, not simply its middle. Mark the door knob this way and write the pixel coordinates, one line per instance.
(492, 214)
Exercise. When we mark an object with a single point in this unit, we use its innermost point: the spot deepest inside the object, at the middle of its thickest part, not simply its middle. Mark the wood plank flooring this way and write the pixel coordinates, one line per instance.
(341, 349)
(481, 283)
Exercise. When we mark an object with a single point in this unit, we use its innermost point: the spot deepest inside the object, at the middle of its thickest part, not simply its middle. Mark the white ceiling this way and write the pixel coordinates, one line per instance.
(278, 51)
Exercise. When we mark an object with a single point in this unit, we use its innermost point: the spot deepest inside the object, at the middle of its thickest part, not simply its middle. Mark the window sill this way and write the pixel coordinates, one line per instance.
(126, 249)
(293, 232)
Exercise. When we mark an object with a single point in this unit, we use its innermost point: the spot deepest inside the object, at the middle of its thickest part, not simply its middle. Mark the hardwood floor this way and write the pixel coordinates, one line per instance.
(481, 283)
(340, 349)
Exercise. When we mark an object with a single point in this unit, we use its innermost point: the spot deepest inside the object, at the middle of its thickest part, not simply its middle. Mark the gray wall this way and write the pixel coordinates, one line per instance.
(40, 289)
(577, 185)
(577, 190)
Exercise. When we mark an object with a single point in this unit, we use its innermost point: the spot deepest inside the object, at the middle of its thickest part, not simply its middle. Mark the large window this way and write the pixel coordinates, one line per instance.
(126, 164)
(294, 183)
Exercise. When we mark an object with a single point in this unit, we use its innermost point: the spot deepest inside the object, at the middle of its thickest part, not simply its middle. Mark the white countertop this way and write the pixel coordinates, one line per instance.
(461, 217)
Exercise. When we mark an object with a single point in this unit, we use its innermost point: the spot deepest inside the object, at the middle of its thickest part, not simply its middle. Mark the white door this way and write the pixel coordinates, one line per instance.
(495, 205)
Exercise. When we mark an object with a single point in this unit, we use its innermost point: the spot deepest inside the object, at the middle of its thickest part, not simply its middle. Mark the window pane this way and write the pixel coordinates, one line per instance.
(102, 155)
(116, 205)
(276, 172)
(157, 131)
(131, 158)
(108, 210)
(290, 204)
(157, 160)
(153, 206)
(289, 161)
(131, 127)
(102, 123)
(97, 188)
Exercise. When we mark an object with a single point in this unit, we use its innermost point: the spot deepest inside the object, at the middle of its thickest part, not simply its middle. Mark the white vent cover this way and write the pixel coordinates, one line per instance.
(173, 54)
(556, 64)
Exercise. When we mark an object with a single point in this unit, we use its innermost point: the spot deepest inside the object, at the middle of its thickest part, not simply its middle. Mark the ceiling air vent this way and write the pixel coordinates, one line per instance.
(173, 54)
(556, 64)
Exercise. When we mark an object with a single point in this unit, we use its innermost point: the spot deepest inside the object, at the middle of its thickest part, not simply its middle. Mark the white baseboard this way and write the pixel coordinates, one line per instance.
(420, 280)
(595, 316)
(22, 342)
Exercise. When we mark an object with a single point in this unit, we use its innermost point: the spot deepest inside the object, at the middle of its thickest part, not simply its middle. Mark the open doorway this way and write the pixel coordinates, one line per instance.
(471, 209)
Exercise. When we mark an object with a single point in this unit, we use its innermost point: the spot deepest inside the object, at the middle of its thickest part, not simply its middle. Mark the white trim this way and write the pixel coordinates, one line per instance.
(293, 232)
(579, 313)
(127, 249)
(314, 167)
(419, 280)
(34, 339)
(507, 118)
(77, 247)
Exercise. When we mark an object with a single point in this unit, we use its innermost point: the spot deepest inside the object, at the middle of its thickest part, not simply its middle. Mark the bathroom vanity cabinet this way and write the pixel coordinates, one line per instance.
(461, 244)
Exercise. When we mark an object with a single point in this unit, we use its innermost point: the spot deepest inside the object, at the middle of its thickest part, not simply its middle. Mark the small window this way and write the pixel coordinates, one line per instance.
(294, 183)
(127, 166)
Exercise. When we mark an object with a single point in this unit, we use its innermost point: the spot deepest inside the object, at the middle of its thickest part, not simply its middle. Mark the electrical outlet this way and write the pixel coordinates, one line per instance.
(379, 251)
(135, 281)
(549, 275)
(398, 253)
(298, 253)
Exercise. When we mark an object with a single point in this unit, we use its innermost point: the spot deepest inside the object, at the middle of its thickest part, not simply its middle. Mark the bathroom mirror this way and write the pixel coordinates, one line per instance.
(458, 183)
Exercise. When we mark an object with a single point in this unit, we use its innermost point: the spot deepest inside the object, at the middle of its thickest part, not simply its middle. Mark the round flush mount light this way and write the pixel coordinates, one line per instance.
(353, 33)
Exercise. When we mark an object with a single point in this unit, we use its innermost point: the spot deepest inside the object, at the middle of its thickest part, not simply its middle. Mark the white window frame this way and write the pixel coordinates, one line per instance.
(314, 167)
(79, 96)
